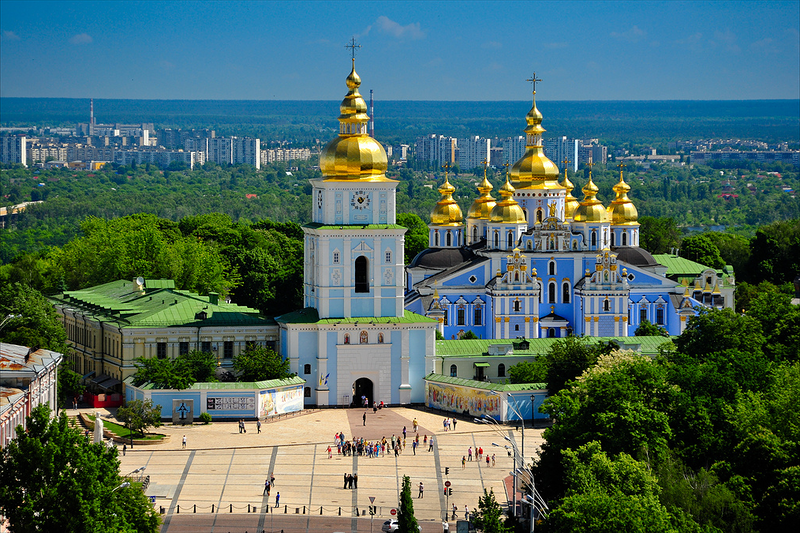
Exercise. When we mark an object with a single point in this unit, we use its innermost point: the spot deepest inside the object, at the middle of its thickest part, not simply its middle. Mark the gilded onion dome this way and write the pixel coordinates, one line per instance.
(571, 203)
(353, 155)
(534, 170)
(446, 211)
(591, 209)
(483, 204)
(507, 210)
(622, 212)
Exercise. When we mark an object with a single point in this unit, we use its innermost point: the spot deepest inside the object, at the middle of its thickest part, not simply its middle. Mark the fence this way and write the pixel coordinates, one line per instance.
(285, 508)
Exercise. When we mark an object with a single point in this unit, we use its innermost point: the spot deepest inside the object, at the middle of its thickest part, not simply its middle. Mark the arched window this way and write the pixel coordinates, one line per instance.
(551, 268)
(461, 316)
(436, 238)
(539, 215)
(478, 315)
(551, 292)
(449, 239)
(362, 279)
(516, 327)
(363, 338)
(516, 306)
(594, 238)
(541, 292)
(474, 233)
(510, 240)
(551, 332)
(496, 239)
(606, 305)
(306, 369)
(501, 370)
(516, 275)
(347, 338)
(613, 238)
(530, 245)
(453, 371)
(307, 392)
(624, 239)
(565, 293)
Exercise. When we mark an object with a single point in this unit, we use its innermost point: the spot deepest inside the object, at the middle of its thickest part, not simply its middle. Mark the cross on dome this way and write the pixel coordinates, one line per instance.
(533, 79)
(352, 45)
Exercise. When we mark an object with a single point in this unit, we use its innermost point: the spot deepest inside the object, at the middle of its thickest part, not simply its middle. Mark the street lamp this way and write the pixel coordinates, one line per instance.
(124, 485)
(533, 411)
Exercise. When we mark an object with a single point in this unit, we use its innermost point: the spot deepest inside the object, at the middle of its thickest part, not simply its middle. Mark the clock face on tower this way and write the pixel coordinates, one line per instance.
(360, 200)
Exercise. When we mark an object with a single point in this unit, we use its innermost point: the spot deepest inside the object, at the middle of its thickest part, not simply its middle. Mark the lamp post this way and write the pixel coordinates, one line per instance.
(533, 411)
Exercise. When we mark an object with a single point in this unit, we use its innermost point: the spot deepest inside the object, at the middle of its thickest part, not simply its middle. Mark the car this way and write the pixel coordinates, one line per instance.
(390, 526)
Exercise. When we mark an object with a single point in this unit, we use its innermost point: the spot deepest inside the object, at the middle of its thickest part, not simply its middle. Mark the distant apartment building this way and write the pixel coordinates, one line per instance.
(273, 155)
(89, 152)
(791, 157)
(171, 138)
(13, 149)
(436, 149)
(559, 149)
(473, 151)
(513, 150)
(39, 153)
(235, 151)
(592, 153)
(162, 158)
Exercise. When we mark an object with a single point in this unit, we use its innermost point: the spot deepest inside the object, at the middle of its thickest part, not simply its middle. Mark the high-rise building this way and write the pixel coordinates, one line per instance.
(234, 151)
(473, 151)
(558, 149)
(13, 149)
(436, 149)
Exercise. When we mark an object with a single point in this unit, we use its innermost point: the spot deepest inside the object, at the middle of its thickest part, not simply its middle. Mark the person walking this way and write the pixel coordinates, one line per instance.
(415, 424)
(430, 444)
(277, 499)
(466, 512)
(404, 433)
(469, 454)
(330, 453)
(364, 418)
(455, 509)
(355, 481)
(463, 462)
(454, 424)
(421, 488)
(414, 447)
(124, 449)
(493, 459)
(258, 424)
(183, 443)
(487, 460)
(272, 479)
(266, 487)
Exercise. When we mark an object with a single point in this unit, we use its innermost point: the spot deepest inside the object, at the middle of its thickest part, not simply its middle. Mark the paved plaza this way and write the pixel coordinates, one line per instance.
(223, 468)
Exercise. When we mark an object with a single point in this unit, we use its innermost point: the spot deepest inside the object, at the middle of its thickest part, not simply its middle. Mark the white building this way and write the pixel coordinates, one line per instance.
(234, 151)
(436, 149)
(473, 151)
(13, 149)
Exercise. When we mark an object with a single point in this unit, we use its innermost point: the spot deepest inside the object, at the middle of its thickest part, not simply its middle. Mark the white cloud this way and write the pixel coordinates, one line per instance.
(81, 38)
(554, 46)
(492, 45)
(766, 45)
(412, 31)
(727, 38)
(633, 35)
(10, 36)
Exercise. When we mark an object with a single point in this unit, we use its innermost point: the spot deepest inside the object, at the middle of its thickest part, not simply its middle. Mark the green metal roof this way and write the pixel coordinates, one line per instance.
(480, 347)
(159, 305)
(481, 364)
(232, 385)
(677, 266)
(314, 225)
(499, 387)
(309, 315)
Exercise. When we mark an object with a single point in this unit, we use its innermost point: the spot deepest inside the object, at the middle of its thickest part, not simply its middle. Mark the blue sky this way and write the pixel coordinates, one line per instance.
(410, 50)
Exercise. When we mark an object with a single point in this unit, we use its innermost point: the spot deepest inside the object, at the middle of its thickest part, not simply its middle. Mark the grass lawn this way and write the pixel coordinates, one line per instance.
(122, 431)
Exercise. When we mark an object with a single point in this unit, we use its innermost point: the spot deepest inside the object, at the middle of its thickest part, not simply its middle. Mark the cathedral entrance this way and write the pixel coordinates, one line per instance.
(362, 389)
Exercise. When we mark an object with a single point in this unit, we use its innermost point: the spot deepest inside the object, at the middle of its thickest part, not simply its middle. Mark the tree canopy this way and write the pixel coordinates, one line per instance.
(258, 363)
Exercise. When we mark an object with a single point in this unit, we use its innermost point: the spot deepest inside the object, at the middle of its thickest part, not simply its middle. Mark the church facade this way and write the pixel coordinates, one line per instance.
(539, 263)
(354, 341)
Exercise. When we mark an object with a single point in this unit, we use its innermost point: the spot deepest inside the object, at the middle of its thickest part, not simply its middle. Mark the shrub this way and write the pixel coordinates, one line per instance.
(205, 418)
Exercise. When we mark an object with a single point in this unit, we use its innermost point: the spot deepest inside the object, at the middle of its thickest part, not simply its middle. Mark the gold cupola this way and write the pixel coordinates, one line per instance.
(353, 155)
(571, 203)
(483, 204)
(534, 170)
(507, 210)
(446, 211)
(591, 209)
(622, 212)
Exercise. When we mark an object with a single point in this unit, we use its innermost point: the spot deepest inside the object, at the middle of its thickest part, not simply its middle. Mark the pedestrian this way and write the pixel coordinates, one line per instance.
(487, 460)
(258, 424)
(277, 499)
(124, 449)
(266, 487)
(404, 433)
(493, 459)
(272, 479)
(480, 451)
(444, 424)
(244, 428)
(183, 443)
(415, 424)
(374, 407)
(425, 439)
(445, 526)
(364, 418)
(355, 481)
(269, 488)
(469, 454)
(75, 403)
(414, 447)
(430, 444)
(240, 426)
(330, 453)
(463, 462)
(345, 481)
(421, 487)
(454, 424)
(466, 512)
(455, 509)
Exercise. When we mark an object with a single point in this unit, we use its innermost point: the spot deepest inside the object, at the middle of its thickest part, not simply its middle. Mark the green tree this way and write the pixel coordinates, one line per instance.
(416, 238)
(201, 366)
(648, 329)
(138, 415)
(701, 249)
(162, 373)
(258, 363)
(780, 322)
(488, 517)
(69, 385)
(775, 252)
(528, 372)
(406, 522)
(658, 235)
(53, 479)
(36, 324)
(567, 359)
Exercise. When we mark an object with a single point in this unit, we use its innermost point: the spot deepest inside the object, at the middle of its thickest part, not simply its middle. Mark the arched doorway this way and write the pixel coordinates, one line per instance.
(362, 387)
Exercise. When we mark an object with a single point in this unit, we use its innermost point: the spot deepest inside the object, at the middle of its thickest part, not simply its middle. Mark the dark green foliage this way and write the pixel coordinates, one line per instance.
(528, 372)
(179, 373)
(658, 235)
(782, 321)
(469, 335)
(416, 238)
(36, 324)
(70, 384)
(567, 359)
(701, 249)
(258, 363)
(720, 330)
(406, 522)
(138, 415)
(205, 417)
(53, 479)
(648, 329)
(488, 517)
(775, 252)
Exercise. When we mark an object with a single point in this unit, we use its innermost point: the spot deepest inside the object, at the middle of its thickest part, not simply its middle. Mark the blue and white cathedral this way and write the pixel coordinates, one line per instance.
(538, 263)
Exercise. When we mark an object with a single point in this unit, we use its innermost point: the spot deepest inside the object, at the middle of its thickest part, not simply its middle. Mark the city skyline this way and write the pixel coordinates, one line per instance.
(410, 51)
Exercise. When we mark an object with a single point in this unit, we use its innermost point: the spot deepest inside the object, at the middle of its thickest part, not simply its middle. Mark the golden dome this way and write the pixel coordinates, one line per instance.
(571, 203)
(483, 204)
(353, 155)
(591, 209)
(446, 211)
(622, 212)
(507, 210)
(534, 170)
